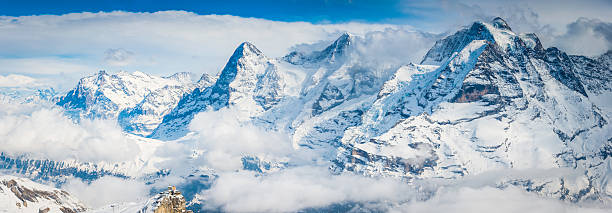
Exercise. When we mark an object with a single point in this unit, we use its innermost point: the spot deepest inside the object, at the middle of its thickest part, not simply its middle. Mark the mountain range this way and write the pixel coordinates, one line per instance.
(482, 99)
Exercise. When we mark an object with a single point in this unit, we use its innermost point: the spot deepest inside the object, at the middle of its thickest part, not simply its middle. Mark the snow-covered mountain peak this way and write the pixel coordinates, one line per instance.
(337, 51)
(246, 49)
(500, 23)
(242, 66)
(205, 81)
(104, 95)
(184, 77)
(497, 32)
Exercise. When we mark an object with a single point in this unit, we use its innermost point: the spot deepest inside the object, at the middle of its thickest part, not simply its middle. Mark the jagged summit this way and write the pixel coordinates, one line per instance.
(246, 48)
(246, 71)
(338, 48)
(244, 55)
(500, 23)
(332, 53)
(496, 32)
(186, 77)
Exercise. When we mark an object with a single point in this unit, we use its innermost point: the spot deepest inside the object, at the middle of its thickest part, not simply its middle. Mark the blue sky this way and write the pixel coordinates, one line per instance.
(315, 11)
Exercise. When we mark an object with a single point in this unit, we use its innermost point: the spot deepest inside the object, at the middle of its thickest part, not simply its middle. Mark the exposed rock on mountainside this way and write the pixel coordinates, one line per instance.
(22, 195)
(492, 100)
(170, 201)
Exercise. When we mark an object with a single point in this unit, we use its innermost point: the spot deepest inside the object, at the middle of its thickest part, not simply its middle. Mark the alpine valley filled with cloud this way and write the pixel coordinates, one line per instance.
(502, 107)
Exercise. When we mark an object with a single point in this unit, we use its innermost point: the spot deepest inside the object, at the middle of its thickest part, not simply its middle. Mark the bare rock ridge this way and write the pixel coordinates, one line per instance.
(169, 201)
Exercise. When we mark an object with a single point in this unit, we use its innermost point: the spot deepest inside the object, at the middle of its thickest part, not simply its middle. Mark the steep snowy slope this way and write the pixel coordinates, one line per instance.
(497, 100)
(23, 195)
(144, 98)
(292, 93)
(250, 81)
(143, 118)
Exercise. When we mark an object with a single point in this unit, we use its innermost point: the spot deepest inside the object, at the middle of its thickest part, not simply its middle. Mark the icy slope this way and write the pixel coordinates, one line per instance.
(292, 93)
(23, 195)
(250, 81)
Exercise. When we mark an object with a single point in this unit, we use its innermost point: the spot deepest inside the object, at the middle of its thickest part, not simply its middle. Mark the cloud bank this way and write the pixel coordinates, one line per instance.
(42, 132)
(487, 199)
(13, 80)
(161, 42)
(107, 190)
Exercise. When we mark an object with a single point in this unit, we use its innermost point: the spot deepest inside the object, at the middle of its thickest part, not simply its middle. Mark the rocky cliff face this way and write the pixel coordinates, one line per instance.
(170, 201)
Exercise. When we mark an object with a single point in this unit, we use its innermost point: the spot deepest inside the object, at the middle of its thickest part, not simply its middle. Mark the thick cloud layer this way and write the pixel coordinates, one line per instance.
(107, 190)
(42, 132)
(585, 36)
(14, 80)
(297, 188)
(488, 199)
(159, 43)
(226, 140)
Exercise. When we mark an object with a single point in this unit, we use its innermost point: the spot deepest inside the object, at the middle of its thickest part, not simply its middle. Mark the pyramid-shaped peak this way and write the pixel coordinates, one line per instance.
(344, 40)
(500, 23)
(338, 48)
(247, 47)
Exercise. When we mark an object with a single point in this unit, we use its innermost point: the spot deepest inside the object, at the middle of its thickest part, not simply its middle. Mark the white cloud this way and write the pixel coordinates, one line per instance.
(106, 190)
(42, 132)
(226, 140)
(488, 199)
(314, 187)
(297, 188)
(13, 80)
(586, 37)
(165, 42)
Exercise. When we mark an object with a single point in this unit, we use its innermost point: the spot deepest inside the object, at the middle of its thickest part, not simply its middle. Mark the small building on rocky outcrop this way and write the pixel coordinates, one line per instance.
(170, 201)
